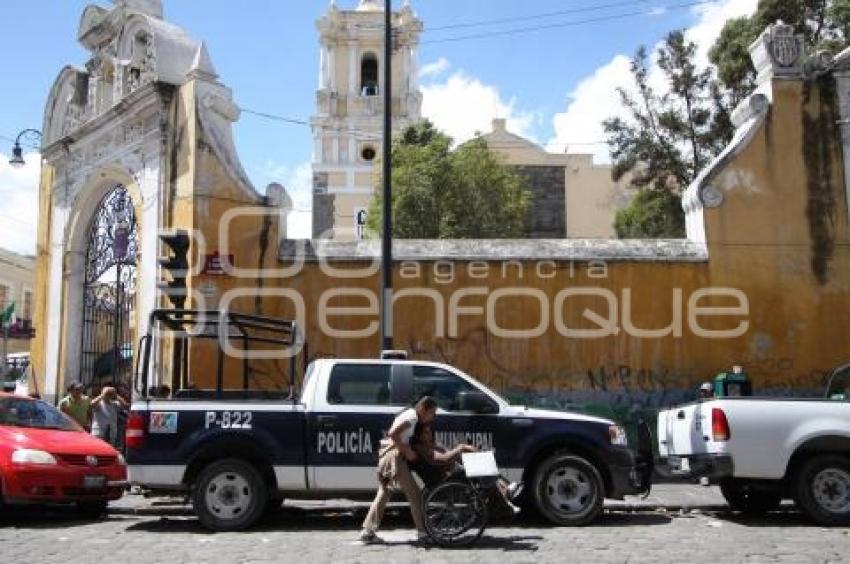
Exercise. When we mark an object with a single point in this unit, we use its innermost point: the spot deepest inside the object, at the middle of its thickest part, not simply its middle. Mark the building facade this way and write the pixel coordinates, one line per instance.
(139, 141)
(136, 142)
(348, 124)
(17, 274)
(571, 196)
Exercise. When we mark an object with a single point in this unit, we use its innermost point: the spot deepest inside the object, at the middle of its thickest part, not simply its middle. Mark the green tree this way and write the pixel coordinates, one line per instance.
(825, 24)
(666, 138)
(658, 212)
(443, 194)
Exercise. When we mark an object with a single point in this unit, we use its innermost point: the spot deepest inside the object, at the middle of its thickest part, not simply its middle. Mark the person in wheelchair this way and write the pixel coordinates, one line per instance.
(434, 464)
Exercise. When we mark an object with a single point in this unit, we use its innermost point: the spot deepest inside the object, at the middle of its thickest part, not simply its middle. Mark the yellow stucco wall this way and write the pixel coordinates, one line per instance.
(779, 239)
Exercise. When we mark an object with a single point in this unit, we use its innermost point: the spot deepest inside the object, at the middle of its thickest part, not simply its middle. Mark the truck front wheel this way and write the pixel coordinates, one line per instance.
(568, 490)
(747, 498)
(823, 489)
(230, 495)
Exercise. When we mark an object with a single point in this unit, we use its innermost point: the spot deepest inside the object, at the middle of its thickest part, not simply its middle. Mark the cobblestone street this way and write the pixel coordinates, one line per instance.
(677, 524)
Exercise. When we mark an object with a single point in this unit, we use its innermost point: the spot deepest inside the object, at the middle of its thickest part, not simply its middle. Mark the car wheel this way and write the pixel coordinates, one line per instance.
(568, 490)
(92, 509)
(229, 495)
(822, 487)
(743, 497)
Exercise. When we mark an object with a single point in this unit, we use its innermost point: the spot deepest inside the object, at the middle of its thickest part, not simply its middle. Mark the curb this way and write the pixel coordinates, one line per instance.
(186, 510)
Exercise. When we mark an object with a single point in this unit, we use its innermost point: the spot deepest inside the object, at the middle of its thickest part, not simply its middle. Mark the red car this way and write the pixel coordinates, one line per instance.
(45, 457)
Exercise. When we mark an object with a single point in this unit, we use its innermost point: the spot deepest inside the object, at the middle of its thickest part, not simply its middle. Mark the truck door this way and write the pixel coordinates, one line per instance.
(347, 424)
(453, 426)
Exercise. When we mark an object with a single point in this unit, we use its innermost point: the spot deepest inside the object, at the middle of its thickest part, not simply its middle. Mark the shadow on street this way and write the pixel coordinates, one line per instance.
(787, 517)
(46, 517)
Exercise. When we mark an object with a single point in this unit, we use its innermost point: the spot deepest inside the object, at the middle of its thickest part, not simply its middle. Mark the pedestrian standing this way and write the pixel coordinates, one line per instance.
(394, 459)
(104, 415)
(77, 405)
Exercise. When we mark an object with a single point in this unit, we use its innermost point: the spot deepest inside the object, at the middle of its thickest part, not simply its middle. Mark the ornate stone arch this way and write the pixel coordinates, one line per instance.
(84, 209)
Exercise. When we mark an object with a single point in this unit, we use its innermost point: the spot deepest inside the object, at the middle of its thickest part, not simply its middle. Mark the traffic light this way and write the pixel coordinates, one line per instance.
(176, 266)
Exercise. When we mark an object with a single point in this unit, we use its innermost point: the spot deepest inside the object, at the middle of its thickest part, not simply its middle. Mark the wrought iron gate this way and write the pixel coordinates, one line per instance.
(109, 293)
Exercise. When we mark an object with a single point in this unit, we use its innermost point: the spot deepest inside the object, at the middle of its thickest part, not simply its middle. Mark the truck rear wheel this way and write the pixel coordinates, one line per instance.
(823, 489)
(230, 495)
(749, 499)
(568, 490)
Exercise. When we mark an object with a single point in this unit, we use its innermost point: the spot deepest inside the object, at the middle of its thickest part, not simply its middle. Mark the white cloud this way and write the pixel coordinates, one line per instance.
(710, 21)
(463, 105)
(595, 98)
(19, 211)
(298, 181)
(435, 69)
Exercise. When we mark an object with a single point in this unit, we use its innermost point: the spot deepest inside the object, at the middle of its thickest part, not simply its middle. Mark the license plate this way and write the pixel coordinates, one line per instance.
(94, 482)
(679, 464)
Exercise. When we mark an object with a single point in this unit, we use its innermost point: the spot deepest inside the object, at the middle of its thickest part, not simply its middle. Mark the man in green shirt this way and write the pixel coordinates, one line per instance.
(77, 405)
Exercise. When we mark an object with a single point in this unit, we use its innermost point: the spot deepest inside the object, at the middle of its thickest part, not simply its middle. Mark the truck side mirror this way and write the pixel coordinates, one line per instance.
(476, 402)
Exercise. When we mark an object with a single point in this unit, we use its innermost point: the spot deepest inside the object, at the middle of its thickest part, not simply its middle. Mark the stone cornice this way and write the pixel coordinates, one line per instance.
(578, 250)
(140, 100)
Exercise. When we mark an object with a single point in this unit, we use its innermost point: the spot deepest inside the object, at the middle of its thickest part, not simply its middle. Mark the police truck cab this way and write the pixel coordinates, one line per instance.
(238, 452)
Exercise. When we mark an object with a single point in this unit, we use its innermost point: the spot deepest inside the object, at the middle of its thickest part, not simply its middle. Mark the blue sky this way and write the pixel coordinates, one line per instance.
(266, 51)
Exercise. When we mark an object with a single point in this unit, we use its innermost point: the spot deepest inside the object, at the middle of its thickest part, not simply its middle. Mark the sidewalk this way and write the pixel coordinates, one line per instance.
(669, 497)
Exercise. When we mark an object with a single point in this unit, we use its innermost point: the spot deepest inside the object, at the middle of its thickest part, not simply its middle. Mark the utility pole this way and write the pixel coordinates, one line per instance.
(387, 231)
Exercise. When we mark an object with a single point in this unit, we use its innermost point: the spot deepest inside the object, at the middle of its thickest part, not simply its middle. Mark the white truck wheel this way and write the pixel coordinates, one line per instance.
(568, 490)
(823, 489)
(230, 495)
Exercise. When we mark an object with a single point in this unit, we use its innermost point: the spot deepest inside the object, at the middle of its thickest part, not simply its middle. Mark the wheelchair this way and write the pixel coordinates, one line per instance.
(457, 510)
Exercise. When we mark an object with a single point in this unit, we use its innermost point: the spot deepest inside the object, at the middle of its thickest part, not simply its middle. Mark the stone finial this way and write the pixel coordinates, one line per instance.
(147, 7)
(500, 125)
(370, 6)
(277, 197)
(778, 52)
(202, 66)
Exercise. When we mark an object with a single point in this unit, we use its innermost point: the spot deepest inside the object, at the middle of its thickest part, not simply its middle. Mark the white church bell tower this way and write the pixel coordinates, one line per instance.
(348, 123)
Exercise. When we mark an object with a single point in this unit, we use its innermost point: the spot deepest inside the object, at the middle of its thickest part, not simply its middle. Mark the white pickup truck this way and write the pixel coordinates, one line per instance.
(764, 450)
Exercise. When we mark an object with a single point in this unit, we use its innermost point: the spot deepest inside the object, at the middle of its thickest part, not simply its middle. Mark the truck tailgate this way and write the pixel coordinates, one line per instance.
(682, 431)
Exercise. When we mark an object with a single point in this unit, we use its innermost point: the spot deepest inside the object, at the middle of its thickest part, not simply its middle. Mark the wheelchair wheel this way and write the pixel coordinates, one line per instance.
(455, 513)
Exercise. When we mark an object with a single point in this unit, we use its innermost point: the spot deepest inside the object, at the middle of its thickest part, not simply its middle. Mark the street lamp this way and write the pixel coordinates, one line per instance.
(17, 160)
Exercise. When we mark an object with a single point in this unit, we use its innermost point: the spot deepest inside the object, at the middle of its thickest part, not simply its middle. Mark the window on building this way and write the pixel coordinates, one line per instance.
(440, 384)
(359, 384)
(360, 217)
(368, 153)
(369, 75)
(26, 310)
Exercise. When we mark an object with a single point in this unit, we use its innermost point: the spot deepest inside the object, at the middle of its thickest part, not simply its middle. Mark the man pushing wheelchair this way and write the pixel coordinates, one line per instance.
(453, 509)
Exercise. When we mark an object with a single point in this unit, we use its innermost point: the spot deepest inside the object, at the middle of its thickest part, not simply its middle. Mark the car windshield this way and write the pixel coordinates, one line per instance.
(22, 412)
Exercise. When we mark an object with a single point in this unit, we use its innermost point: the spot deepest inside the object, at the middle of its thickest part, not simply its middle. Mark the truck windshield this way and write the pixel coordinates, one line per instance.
(22, 412)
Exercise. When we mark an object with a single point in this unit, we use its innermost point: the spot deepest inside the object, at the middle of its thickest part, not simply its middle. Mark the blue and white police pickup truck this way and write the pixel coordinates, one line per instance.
(236, 452)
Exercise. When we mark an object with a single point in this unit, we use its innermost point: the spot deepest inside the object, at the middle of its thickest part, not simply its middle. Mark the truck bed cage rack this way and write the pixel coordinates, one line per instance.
(219, 325)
